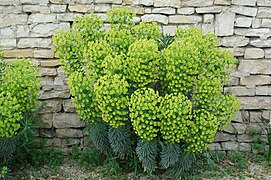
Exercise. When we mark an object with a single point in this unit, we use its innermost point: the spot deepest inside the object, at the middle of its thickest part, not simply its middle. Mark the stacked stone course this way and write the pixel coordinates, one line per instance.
(243, 26)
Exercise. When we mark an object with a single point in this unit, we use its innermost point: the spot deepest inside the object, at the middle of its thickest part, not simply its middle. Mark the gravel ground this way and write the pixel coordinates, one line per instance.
(71, 171)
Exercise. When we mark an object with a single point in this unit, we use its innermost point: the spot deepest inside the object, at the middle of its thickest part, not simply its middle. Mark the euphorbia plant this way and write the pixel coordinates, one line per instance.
(138, 94)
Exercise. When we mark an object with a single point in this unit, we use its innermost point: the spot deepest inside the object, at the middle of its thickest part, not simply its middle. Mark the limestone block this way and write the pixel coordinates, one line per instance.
(259, 102)
(46, 133)
(215, 147)
(45, 121)
(197, 3)
(68, 106)
(108, 1)
(143, 2)
(56, 142)
(169, 30)
(167, 10)
(138, 9)
(264, 2)
(253, 80)
(53, 94)
(263, 90)
(261, 42)
(264, 12)
(7, 33)
(208, 28)
(58, 8)
(46, 30)
(266, 115)
(255, 116)
(243, 22)
(42, 18)
(244, 138)
(47, 81)
(5, 10)
(186, 10)
(237, 52)
(155, 17)
(231, 146)
(239, 127)
(9, 2)
(18, 53)
(47, 71)
(240, 91)
(224, 24)
(244, 2)
(245, 116)
(256, 23)
(229, 129)
(222, 2)
(70, 142)
(34, 42)
(72, 133)
(60, 1)
(67, 120)
(36, 9)
(234, 41)
(220, 137)
(58, 81)
(233, 81)
(255, 67)
(267, 53)
(51, 106)
(238, 117)
(263, 33)
(170, 3)
(67, 16)
(245, 147)
(212, 9)
(22, 31)
(266, 23)
(8, 43)
(13, 19)
(254, 53)
(49, 63)
(43, 53)
(208, 18)
(41, 2)
(176, 19)
(247, 11)
(88, 8)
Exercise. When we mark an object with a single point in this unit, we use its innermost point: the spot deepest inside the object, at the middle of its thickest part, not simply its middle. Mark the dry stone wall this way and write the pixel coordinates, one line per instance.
(243, 26)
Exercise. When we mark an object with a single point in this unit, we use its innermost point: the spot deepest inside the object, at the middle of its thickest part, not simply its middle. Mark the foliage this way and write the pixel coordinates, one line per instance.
(157, 95)
(19, 87)
(18, 95)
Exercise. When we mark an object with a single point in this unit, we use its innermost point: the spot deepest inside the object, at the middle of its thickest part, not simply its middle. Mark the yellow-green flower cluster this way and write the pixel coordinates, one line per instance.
(148, 31)
(10, 115)
(114, 64)
(95, 54)
(19, 87)
(120, 18)
(81, 87)
(69, 49)
(90, 27)
(176, 116)
(144, 113)
(142, 62)
(111, 95)
(202, 131)
(119, 39)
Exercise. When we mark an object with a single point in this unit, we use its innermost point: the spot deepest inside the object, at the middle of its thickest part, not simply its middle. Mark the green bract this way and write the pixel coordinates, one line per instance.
(19, 87)
(111, 94)
(131, 81)
(144, 113)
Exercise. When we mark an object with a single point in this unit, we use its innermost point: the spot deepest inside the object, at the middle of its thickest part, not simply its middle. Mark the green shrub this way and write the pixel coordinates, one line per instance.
(147, 93)
(19, 87)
